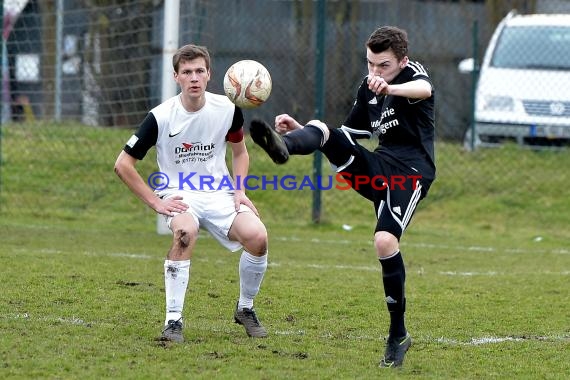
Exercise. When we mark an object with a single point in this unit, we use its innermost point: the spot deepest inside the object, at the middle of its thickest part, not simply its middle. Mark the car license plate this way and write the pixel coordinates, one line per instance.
(550, 131)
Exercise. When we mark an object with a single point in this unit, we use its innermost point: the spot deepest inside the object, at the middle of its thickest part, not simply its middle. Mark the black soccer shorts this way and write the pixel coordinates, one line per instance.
(395, 191)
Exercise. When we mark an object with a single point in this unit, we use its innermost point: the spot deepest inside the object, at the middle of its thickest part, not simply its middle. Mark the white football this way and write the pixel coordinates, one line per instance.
(247, 83)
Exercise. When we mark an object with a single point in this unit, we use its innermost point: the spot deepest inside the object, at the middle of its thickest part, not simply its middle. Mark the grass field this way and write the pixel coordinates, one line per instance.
(82, 293)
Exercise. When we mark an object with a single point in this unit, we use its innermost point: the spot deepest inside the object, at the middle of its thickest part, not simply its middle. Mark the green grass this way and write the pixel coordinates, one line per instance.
(82, 294)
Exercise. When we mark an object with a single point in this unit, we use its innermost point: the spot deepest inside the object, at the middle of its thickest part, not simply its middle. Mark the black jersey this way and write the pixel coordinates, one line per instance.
(404, 127)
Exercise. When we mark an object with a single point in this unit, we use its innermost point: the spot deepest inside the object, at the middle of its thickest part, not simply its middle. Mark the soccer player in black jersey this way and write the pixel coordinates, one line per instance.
(395, 103)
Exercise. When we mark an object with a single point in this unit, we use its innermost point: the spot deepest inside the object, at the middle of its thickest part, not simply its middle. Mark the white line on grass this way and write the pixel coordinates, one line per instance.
(295, 239)
(421, 271)
(72, 321)
(323, 335)
(469, 274)
(127, 255)
(442, 340)
(350, 267)
(495, 340)
(475, 248)
(131, 255)
(371, 268)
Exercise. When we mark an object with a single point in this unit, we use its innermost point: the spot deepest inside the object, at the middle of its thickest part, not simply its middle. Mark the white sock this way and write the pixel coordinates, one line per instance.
(176, 277)
(251, 271)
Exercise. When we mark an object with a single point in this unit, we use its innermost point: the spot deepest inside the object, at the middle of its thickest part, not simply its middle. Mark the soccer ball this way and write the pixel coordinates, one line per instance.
(247, 84)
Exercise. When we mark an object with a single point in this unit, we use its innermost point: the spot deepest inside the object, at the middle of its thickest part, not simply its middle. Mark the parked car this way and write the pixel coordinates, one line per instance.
(523, 87)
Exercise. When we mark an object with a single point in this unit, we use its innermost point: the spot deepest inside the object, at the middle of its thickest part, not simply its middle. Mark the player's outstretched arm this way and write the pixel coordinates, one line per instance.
(416, 89)
(125, 169)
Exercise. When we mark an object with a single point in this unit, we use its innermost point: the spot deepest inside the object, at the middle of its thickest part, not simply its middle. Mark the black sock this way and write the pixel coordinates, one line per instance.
(394, 278)
(303, 141)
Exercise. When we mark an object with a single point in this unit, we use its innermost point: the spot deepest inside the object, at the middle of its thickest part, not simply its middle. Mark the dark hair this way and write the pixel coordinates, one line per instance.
(190, 52)
(389, 37)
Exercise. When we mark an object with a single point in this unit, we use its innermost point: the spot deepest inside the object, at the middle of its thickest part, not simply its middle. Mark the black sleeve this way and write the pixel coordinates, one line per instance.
(144, 138)
(237, 121)
(358, 118)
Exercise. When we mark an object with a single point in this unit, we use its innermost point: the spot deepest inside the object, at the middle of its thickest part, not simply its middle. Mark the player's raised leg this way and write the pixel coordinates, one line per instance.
(300, 141)
(268, 139)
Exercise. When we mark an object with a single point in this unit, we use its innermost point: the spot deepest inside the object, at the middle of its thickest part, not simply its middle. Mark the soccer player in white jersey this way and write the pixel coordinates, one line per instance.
(191, 132)
(395, 103)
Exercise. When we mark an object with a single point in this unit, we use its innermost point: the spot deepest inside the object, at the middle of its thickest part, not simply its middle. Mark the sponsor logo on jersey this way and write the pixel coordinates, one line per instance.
(194, 147)
(380, 127)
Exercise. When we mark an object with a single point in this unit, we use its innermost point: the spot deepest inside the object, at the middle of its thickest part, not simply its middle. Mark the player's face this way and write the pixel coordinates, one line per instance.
(193, 77)
(385, 64)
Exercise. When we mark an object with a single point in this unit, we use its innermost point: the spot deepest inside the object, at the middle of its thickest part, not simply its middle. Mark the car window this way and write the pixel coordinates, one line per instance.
(538, 47)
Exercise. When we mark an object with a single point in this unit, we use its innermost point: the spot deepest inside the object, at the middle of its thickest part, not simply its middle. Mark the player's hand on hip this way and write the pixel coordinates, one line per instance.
(241, 199)
(171, 206)
(285, 123)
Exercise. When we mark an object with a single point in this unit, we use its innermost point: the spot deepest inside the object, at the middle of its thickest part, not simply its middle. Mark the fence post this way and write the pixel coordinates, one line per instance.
(474, 76)
(169, 46)
(58, 56)
(320, 102)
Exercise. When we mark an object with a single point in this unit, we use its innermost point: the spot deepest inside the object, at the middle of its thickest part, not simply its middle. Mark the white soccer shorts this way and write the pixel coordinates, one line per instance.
(214, 211)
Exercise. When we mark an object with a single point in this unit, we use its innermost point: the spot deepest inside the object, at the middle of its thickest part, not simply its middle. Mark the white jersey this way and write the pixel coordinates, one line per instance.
(190, 146)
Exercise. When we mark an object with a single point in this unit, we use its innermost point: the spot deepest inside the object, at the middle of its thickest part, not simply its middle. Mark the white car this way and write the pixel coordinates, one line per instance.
(523, 88)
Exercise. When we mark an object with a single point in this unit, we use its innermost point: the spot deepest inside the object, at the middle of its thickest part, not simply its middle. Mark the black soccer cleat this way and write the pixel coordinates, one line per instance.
(395, 351)
(248, 319)
(268, 139)
(173, 332)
